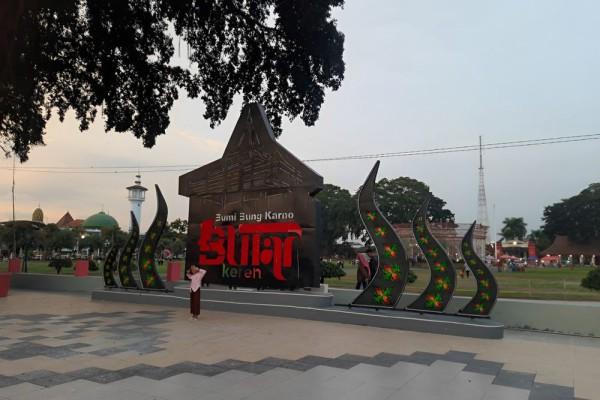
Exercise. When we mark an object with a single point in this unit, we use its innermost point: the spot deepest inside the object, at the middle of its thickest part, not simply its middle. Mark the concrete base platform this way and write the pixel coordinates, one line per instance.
(253, 296)
(271, 304)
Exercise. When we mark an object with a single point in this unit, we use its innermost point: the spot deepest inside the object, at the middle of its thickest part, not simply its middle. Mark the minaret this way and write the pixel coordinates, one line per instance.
(137, 195)
(482, 213)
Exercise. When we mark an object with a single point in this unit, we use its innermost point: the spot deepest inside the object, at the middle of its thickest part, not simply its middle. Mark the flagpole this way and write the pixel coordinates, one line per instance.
(13, 208)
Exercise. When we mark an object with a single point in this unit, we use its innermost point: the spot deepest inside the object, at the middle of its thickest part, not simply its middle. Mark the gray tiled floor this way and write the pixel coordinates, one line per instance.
(440, 380)
(419, 376)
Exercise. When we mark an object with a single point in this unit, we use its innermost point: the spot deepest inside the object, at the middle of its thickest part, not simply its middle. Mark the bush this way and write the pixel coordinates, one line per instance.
(592, 280)
(331, 270)
(60, 263)
(93, 265)
(412, 277)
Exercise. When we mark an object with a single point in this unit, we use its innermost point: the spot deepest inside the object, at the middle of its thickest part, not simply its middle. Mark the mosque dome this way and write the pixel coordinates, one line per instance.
(38, 215)
(100, 220)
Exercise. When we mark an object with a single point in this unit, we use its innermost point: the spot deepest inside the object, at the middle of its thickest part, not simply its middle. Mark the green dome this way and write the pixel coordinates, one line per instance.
(100, 221)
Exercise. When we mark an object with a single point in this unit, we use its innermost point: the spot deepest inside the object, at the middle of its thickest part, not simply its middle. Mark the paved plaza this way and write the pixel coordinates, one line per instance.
(57, 346)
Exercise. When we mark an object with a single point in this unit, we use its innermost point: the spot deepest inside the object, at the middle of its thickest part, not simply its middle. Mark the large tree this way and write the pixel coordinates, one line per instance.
(400, 199)
(26, 235)
(338, 215)
(541, 239)
(514, 228)
(174, 237)
(117, 57)
(577, 217)
(61, 239)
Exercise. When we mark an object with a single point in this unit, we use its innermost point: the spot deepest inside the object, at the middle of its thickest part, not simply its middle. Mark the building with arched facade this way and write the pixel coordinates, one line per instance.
(449, 234)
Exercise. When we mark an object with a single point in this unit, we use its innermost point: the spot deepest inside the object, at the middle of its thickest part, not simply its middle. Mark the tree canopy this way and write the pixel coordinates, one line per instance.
(117, 57)
(578, 217)
(174, 237)
(338, 215)
(400, 198)
(514, 228)
(541, 239)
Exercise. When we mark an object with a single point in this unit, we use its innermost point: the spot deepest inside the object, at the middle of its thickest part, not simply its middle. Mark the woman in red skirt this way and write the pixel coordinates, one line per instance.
(195, 276)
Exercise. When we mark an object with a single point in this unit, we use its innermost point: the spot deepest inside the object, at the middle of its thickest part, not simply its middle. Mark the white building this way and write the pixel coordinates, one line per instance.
(137, 195)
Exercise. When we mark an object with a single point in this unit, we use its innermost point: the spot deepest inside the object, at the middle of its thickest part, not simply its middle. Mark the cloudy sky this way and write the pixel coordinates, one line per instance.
(420, 74)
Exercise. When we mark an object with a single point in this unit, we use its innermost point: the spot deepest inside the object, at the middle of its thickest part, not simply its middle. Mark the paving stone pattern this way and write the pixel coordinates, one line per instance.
(420, 375)
(139, 332)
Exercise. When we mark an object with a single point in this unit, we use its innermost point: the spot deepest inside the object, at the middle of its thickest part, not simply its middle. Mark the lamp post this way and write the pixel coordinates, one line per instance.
(81, 237)
(106, 247)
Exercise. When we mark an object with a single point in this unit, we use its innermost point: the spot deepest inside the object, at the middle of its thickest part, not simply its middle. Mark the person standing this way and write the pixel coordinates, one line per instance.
(373, 264)
(195, 276)
(363, 273)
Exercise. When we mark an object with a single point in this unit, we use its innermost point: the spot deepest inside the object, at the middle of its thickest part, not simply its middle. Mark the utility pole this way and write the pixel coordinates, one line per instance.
(494, 234)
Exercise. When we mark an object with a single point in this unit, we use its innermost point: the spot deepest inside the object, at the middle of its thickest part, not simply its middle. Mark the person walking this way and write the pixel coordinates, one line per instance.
(195, 276)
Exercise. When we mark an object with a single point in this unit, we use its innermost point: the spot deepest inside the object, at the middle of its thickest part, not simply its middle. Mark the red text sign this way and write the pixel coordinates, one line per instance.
(258, 244)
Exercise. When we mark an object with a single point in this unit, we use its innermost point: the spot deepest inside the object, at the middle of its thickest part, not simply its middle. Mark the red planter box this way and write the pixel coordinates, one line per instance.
(14, 265)
(82, 268)
(173, 271)
(4, 283)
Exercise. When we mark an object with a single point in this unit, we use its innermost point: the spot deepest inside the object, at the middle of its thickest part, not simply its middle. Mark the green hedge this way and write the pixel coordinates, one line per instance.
(59, 263)
(592, 280)
(331, 270)
(411, 276)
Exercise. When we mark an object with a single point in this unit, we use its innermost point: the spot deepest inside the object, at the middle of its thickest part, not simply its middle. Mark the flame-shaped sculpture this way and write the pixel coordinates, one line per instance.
(487, 289)
(438, 292)
(125, 274)
(148, 275)
(390, 277)
(109, 268)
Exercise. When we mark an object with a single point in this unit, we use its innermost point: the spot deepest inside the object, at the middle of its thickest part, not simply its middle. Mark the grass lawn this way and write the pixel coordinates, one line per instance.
(41, 267)
(535, 283)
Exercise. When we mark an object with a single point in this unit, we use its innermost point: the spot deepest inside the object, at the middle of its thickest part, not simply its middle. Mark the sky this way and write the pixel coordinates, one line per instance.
(419, 74)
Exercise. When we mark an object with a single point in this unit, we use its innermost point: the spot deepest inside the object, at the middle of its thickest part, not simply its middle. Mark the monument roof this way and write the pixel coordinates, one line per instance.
(253, 161)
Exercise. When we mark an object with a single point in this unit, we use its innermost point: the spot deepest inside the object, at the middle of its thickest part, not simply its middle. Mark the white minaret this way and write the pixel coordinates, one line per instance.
(137, 195)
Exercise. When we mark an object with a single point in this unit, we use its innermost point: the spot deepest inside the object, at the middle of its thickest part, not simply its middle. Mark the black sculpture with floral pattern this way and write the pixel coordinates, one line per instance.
(126, 258)
(438, 293)
(483, 302)
(108, 268)
(390, 277)
(149, 276)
